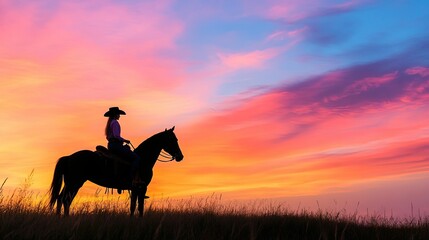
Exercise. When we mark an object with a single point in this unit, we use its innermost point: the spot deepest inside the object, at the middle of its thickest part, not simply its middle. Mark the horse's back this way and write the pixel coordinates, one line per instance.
(103, 170)
(83, 152)
(84, 160)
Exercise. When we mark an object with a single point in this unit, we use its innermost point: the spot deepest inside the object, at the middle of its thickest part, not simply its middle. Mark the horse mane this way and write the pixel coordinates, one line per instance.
(148, 143)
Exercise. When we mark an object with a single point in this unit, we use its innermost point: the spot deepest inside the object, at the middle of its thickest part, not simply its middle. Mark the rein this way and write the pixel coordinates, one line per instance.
(165, 155)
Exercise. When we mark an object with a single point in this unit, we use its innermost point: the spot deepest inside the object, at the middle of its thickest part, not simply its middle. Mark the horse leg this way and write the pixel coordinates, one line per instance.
(60, 201)
(69, 194)
(141, 197)
(141, 205)
(133, 201)
(66, 200)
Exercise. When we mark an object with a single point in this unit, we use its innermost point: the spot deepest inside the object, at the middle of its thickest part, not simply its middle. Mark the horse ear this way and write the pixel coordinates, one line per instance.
(166, 129)
(173, 128)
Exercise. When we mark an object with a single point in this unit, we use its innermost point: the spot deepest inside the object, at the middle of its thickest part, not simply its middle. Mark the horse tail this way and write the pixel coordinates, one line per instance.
(57, 180)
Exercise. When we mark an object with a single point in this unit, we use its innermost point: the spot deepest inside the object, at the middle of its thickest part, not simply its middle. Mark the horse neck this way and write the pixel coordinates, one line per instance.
(149, 150)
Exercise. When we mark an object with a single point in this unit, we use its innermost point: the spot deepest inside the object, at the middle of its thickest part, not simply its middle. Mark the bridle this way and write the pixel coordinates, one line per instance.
(163, 154)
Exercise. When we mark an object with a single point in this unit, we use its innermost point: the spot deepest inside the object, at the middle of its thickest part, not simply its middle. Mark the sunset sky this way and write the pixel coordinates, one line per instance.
(304, 102)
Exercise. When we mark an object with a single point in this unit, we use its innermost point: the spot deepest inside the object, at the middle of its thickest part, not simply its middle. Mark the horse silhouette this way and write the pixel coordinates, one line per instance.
(86, 165)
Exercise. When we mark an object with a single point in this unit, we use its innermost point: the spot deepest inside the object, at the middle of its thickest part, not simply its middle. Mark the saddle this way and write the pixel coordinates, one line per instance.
(109, 156)
(105, 153)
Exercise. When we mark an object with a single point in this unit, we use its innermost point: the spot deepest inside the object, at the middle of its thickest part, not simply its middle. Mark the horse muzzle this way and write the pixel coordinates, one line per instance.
(178, 158)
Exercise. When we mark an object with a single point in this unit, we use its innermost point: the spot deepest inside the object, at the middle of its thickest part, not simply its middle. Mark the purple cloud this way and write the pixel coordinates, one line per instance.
(360, 86)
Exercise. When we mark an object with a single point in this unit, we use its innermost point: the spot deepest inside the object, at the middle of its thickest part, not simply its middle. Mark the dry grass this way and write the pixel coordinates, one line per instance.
(24, 215)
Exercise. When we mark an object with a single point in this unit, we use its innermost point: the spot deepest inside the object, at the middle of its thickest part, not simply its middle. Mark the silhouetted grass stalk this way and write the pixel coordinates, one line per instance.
(25, 215)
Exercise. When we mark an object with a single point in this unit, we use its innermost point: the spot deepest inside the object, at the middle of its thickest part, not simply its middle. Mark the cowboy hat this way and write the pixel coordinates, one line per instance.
(114, 111)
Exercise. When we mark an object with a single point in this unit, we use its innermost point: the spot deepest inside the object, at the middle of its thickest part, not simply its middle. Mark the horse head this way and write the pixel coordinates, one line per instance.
(171, 144)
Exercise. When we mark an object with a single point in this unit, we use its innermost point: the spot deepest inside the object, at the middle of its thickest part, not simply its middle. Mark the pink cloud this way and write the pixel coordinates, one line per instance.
(79, 36)
(422, 71)
(284, 35)
(253, 59)
(279, 11)
(279, 35)
(365, 84)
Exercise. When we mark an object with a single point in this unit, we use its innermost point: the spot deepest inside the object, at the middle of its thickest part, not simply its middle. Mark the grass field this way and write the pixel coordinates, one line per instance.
(23, 217)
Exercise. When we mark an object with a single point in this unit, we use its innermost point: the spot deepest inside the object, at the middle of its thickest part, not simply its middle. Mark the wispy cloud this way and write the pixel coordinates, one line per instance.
(287, 35)
(336, 124)
(293, 11)
(253, 59)
(422, 71)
